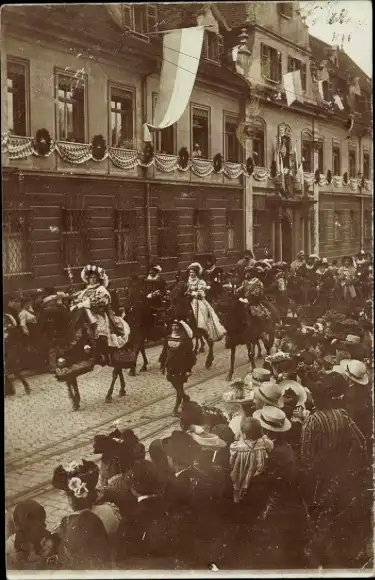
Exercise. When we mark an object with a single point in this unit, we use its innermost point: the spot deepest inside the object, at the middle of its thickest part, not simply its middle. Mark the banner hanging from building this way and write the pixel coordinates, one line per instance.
(181, 55)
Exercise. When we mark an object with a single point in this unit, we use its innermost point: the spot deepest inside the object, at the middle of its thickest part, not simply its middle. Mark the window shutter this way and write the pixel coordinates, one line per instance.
(290, 64)
(205, 51)
(264, 60)
(127, 16)
(152, 22)
(220, 44)
(279, 67)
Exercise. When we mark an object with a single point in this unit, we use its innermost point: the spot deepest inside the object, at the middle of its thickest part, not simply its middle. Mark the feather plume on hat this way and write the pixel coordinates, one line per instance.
(195, 266)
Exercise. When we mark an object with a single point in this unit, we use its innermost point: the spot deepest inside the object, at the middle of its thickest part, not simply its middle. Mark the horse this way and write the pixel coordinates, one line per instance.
(77, 351)
(243, 328)
(143, 321)
(180, 309)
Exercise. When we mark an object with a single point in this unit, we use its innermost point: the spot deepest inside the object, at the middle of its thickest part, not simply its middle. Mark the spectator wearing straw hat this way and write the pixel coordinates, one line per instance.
(357, 399)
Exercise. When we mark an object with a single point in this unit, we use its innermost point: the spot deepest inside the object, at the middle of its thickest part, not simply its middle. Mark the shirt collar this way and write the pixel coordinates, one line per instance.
(142, 497)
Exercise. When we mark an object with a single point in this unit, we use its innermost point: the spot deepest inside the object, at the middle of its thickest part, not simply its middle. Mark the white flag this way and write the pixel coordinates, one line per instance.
(338, 102)
(289, 88)
(298, 85)
(320, 88)
(181, 56)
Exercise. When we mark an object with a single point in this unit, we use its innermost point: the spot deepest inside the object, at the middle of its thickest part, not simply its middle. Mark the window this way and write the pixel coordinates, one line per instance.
(257, 226)
(165, 139)
(140, 18)
(271, 63)
(75, 238)
(366, 165)
(235, 230)
(122, 118)
(200, 132)
(352, 163)
(368, 224)
(125, 222)
(295, 64)
(307, 152)
(213, 46)
(202, 231)
(353, 225)
(322, 226)
(167, 233)
(320, 151)
(231, 143)
(286, 9)
(71, 112)
(259, 142)
(326, 90)
(336, 159)
(16, 242)
(338, 226)
(17, 96)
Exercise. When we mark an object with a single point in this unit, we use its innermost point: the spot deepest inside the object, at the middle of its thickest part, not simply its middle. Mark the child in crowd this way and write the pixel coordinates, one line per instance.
(248, 456)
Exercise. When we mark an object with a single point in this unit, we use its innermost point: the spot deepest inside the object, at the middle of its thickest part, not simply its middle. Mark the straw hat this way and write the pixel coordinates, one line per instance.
(298, 389)
(269, 394)
(209, 440)
(273, 419)
(355, 370)
(352, 339)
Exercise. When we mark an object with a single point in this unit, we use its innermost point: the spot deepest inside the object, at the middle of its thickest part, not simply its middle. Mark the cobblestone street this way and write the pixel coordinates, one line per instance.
(41, 430)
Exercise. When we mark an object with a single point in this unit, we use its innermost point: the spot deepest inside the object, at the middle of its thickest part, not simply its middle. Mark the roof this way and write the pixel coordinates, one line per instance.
(347, 68)
(234, 13)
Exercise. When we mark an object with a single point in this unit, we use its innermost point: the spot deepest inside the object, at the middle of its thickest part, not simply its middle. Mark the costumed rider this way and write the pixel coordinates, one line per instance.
(155, 287)
(251, 294)
(94, 302)
(347, 278)
(212, 275)
(205, 316)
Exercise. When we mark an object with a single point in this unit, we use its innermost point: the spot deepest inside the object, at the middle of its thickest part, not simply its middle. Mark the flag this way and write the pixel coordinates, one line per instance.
(276, 156)
(355, 87)
(338, 102)
(181, 55)
(298, 166)
(298, 85)
(289, 88)
(282, 176)
(239, 68)
(293, 87)
(320, 89)
(323, 73)
(350, 99)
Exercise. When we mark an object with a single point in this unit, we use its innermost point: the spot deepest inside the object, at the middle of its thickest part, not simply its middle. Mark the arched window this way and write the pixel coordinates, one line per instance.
(307, 151)
(259, 142)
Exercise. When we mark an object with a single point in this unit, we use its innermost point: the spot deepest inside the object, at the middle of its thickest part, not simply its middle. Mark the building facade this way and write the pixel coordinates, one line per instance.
(80, 185)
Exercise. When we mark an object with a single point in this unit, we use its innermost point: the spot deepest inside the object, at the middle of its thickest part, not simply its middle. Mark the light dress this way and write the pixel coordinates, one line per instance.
(205, 316)
(247, 459)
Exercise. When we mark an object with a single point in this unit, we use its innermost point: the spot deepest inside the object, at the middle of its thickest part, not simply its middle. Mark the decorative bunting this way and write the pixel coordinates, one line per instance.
(80, 153)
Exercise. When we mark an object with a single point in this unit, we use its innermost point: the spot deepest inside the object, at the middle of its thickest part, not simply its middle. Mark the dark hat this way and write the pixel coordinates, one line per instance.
(85, 541)
(224, 432)
(144, 478)
(26, 512)
(191, 414)
(180, 447)
(86, 471)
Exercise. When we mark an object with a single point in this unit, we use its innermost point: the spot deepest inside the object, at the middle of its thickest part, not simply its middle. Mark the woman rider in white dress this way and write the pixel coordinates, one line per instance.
(205, 316)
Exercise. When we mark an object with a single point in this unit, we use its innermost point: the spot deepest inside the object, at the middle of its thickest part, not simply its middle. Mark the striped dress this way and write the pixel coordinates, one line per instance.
(247, 459)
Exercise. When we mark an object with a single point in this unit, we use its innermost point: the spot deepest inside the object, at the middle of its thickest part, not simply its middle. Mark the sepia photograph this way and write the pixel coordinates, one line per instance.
(187, 249)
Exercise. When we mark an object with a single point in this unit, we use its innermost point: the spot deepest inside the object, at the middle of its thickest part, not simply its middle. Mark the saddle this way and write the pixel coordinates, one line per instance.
(259, 311)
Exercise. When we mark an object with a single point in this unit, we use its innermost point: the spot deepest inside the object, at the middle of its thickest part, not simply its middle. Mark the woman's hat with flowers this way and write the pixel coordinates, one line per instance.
(98, 271)
(196, 267)
(75, 475)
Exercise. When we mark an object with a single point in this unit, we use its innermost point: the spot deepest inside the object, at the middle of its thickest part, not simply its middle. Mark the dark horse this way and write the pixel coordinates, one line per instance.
(180, 309)
(243, 329)
(145, 323)
(77, 351)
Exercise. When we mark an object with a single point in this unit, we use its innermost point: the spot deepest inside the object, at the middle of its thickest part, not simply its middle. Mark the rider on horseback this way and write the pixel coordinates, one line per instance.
(252, 293)
(205, 316)
(94, 302)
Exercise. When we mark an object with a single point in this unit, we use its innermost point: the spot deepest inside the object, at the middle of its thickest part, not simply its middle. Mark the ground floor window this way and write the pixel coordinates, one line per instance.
(76, 239)
(16, 242)
(167, 221)
(235, 230)
(125, 222)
